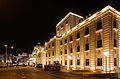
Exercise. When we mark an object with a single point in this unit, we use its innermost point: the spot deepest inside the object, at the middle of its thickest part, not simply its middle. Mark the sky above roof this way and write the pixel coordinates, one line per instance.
(23, 23)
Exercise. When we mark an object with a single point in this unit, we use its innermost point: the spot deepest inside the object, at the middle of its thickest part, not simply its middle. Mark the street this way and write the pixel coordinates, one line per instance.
(35, 73)
(24, 73)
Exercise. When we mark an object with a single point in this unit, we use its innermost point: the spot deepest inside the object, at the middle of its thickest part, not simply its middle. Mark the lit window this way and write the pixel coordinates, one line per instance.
(87, 62)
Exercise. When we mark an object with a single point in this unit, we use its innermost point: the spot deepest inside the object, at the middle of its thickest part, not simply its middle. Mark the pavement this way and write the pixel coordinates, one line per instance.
(36, 73)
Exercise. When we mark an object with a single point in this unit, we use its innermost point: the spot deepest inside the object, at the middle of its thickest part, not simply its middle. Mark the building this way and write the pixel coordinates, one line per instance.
(22, 59)
(37, 56)
(86, 44)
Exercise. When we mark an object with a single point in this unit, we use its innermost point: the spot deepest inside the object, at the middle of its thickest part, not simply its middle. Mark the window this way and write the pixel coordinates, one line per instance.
(99, 43)
(86, 31)
(71, 62)
(46, 48)
(115, 62)
(66, 22)
(53, 53)
(39, 55)
(65, 51)
(49, 46)
(61, 43)
(114, 24)
(99, 61)
(78, 61)
(61, 62)
(65, 62)
(87, 62)
(49, 54)
(78, 35)
(99, 25)
(71, 50)
(78, 48)
(58, 29)
(53, 44)
(70, 38)
(61, 52)
(65, 40)
(87, 46)
(49, 62)
(115, 43)
(62, 26)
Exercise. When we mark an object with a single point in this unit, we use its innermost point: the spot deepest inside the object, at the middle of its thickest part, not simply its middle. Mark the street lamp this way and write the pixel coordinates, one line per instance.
(6, 52)
(12, 47)
(106, 54)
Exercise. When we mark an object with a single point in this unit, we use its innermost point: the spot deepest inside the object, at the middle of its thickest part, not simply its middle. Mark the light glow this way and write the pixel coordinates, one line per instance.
(69, 57)
(74, 28)
(68, 31)
(82, 23)
(63, 34)
(57, 59)
(106, 53)
(74, 68)
(92, 16)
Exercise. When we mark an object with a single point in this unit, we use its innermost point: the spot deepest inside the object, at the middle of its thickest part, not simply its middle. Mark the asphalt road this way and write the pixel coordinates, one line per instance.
(24, 73)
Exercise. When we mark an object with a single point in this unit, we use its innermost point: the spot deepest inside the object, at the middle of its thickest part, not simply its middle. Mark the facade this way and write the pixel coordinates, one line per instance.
(86, 44)
(38, 56)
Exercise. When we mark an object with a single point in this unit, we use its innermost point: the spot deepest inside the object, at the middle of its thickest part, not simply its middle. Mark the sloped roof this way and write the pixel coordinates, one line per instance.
(70, 13)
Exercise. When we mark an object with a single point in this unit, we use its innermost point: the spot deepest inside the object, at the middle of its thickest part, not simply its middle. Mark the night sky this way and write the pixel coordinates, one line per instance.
(23, 23)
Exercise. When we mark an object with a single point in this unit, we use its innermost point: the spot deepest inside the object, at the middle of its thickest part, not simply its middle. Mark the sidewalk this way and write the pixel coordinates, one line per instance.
(67, 75)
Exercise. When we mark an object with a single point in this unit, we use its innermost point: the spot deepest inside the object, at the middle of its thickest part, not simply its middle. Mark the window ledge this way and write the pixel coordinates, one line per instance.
(99, 48)
(87, 35)
(115, 29)
(97, 31)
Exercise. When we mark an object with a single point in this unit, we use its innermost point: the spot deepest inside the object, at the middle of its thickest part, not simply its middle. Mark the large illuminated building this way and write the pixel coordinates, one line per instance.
(86, 44)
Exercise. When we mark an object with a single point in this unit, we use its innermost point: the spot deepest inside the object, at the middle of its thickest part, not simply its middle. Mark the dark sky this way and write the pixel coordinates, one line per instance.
(23, 23)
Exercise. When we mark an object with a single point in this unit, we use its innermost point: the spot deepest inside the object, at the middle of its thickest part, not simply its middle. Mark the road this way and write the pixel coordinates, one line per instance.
(35, 73)
(24, 73)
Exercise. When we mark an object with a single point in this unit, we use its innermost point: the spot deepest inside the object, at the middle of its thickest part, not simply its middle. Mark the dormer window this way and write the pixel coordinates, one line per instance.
(58, 29)
(62, 26)
(66, 22)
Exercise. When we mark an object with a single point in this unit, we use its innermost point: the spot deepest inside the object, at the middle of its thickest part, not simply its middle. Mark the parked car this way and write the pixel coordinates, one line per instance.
(39, 66)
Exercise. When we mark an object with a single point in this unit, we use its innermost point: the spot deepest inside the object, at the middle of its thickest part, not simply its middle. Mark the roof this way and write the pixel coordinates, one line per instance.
(70, 13)
(107, 8)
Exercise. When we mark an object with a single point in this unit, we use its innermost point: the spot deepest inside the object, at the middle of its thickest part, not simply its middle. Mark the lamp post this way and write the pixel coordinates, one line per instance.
(6, 46)
(106, 54)
(6, 52)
